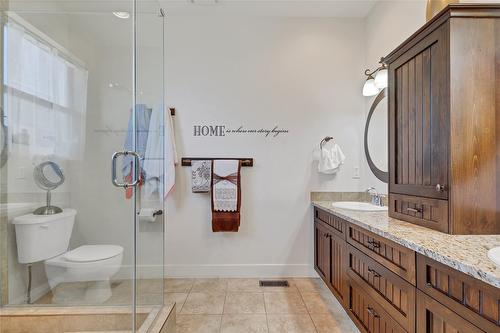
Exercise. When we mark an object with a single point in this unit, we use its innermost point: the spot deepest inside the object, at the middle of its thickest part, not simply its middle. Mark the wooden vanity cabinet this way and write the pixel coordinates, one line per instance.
(386, 287)
(444, 123)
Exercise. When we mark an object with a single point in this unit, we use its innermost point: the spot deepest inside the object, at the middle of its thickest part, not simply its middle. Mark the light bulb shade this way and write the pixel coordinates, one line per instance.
(381, 79)
(122, 15)
(369, 89)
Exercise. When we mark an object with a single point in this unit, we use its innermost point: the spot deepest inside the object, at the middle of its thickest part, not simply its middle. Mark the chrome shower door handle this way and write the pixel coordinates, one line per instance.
(137, 159)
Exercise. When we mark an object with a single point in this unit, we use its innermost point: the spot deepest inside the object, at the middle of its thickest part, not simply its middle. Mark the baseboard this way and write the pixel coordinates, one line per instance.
(36, 293)
(143, 272)
(250, 270)
(226, 271)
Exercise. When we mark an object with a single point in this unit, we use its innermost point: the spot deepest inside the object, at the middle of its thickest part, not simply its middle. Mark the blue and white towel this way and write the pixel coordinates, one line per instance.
(143, 115)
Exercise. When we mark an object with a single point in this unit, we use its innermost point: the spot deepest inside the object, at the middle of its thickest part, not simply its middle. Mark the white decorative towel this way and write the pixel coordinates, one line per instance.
(331, 158)
(225, 191)
(201, 175)
(153, 155)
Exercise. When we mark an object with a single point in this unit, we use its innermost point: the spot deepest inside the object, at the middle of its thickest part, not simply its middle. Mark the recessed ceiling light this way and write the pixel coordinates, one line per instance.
(122, 15)
(204, 2)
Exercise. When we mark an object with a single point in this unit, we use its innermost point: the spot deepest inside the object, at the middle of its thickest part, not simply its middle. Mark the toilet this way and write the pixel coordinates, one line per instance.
(85, 271)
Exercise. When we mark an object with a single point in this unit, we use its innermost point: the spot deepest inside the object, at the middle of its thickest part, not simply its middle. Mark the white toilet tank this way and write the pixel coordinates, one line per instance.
(40, 237)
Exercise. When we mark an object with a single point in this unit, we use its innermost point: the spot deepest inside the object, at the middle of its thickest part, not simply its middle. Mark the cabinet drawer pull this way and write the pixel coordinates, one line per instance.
(372, 312)
(440, 188)
(374, 272)
(414, 210)
(374, 243)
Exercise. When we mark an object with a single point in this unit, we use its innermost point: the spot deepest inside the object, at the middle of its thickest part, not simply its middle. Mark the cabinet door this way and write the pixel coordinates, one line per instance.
(368, 315)
(322, 251)
(433, 317)
(419, 118)
(337, 282)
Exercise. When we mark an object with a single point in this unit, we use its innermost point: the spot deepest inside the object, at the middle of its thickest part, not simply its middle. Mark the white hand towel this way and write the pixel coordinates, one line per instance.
(225, 193)
(330, 159)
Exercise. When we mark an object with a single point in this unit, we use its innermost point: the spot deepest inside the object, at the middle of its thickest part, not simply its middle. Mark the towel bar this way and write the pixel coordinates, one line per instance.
(246, 162)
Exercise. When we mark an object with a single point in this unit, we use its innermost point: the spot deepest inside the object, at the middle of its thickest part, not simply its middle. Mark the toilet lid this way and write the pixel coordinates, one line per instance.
(87, 253)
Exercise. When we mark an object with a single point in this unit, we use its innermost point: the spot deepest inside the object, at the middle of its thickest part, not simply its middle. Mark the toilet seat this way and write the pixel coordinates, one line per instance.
(88, 253)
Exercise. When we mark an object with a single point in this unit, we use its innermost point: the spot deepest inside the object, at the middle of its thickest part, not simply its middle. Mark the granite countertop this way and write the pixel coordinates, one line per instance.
(465, 253)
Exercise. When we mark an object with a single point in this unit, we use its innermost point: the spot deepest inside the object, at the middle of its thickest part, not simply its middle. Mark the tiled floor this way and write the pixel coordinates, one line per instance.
(241, 306)
(238, 305)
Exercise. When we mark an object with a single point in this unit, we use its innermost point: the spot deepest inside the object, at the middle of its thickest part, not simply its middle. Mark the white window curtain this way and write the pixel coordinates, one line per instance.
(45, 97)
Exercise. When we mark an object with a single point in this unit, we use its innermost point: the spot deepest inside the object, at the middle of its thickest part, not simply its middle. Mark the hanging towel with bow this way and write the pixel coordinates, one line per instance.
(226, 195)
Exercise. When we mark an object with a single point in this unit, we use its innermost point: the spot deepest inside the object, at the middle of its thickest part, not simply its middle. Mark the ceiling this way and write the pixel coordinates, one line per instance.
(286, 8)
(290, 8)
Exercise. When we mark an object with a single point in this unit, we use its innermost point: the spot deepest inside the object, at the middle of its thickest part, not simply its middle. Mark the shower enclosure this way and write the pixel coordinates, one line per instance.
(83, 88)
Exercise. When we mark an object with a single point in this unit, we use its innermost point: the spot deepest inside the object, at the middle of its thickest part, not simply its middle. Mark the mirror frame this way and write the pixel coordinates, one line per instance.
(382, 175)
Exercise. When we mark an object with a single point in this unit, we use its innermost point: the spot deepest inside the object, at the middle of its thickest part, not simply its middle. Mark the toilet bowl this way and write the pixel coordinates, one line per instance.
(84, 272)
(92, 264)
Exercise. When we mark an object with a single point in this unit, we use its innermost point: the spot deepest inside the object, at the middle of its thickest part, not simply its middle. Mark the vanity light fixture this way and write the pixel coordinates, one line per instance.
(122, 15)
(374, 84)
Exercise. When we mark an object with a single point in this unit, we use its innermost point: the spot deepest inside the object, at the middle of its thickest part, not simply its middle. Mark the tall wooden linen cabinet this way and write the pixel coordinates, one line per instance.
(444, 123)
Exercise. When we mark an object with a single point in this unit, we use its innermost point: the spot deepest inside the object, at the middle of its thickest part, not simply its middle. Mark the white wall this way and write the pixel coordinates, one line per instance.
(300, 74)
(388, 24)
(304, 75)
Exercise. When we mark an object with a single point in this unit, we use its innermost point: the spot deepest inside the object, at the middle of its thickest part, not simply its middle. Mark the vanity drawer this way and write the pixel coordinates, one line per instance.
(338, 224)
(395, 295)
(368, 315)
(470, 298)
(395, 257)
(429, 213)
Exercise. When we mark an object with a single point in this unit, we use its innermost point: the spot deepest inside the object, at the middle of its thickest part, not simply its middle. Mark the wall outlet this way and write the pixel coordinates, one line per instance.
(355, 173)
(21, 173)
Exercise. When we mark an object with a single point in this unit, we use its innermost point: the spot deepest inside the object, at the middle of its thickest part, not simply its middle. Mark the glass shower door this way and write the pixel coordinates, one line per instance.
(82, 82)
(150, 194)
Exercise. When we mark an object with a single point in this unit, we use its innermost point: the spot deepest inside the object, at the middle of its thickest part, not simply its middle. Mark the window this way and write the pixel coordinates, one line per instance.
(45, 95)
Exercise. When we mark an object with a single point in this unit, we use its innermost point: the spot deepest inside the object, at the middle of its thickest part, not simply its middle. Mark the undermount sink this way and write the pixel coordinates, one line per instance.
(359, 206)
(494, 255)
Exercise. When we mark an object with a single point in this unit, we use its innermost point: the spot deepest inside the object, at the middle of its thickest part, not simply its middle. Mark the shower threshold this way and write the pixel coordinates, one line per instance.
(81, 319)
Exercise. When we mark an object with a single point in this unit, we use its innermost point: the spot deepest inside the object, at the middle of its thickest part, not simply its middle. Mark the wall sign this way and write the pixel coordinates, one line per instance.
(223, 130)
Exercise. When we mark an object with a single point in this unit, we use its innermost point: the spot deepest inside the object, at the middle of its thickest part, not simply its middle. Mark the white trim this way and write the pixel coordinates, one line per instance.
(238, 270)
(36, 293)
(212, 271)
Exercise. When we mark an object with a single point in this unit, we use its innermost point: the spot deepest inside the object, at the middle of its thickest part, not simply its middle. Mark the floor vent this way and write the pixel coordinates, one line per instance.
(274, 283)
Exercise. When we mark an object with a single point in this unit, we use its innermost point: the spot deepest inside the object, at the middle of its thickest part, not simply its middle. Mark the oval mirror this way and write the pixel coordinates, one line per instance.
(376, 137)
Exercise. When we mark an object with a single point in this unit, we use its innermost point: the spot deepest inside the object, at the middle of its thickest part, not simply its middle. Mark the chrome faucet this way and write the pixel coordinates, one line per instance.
(377, 198)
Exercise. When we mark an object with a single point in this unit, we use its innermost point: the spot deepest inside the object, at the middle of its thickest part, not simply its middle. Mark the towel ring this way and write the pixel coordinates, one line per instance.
(325, 140)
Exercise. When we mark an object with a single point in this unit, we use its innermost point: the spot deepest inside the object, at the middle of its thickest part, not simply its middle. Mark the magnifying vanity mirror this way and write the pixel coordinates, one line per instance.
(376, 137)
(48, 176)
